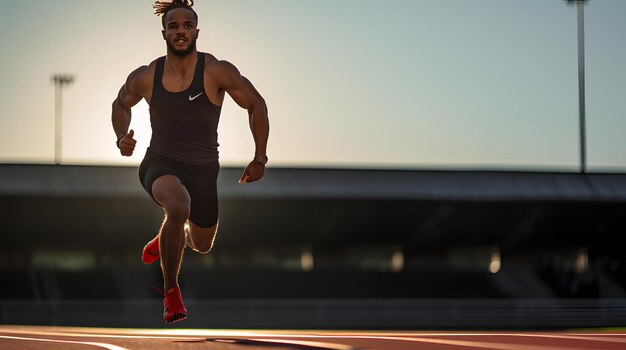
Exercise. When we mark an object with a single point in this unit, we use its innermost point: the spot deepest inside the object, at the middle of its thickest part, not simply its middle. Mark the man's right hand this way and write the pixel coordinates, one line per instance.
(127, 144)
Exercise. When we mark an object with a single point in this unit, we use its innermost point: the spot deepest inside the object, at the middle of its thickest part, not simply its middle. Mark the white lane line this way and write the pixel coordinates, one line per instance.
(100, 335)
(572, 336)
(596, 339)
(184, 334)
(100, 345)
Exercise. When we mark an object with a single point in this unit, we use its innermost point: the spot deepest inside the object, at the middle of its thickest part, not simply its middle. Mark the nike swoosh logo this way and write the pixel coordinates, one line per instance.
(191, 98)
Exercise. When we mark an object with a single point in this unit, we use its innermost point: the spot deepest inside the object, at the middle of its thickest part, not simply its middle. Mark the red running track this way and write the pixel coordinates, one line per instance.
(33, 337)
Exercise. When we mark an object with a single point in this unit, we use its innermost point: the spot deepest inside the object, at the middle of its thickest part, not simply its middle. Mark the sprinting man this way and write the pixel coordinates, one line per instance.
(185, 90)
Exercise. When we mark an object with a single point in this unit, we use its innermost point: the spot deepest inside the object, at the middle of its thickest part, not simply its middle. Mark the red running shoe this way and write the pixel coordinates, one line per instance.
(150, 252)
(173, 308)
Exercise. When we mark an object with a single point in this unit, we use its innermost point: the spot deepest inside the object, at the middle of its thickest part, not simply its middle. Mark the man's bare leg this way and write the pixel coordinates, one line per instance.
(201, 239)
(175, 200)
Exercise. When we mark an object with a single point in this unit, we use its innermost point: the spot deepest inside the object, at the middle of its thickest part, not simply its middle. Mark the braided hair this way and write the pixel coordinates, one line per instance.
(163, 7)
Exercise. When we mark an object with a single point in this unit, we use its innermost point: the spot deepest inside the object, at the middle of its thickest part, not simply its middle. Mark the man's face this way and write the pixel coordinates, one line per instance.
(180, 32)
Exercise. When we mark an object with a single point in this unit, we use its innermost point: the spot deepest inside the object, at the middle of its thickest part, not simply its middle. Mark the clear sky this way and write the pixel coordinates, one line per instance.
(488, 84)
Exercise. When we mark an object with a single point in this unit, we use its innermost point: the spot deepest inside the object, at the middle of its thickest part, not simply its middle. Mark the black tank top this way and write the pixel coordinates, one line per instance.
(184, 124)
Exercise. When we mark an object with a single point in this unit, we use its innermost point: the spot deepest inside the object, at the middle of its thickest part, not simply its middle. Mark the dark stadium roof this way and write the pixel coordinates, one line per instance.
(54, 180)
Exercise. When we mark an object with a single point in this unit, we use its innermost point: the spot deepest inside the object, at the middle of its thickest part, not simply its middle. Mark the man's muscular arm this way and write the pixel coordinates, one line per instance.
(129, 95)
(247, 97)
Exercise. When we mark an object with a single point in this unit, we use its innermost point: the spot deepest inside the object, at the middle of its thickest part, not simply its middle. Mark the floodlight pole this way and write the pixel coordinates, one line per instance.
(60, 80)
(580, 7)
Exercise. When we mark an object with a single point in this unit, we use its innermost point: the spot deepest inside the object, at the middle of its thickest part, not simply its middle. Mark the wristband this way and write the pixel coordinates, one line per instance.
(119, 139)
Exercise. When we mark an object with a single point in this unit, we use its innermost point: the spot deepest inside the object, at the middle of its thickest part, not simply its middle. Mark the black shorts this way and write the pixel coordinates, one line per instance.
(199, 180)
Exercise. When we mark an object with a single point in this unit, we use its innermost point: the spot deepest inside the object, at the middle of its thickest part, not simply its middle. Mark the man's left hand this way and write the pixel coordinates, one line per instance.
(254, 172)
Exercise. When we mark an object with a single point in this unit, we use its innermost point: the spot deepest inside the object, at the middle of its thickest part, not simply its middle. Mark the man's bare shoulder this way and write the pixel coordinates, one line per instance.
(140, 80)
(142, 73)
(221, 70)
(209, 59)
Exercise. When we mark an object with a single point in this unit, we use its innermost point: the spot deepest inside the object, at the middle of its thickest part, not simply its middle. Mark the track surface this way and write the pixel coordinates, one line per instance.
(33, 337)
